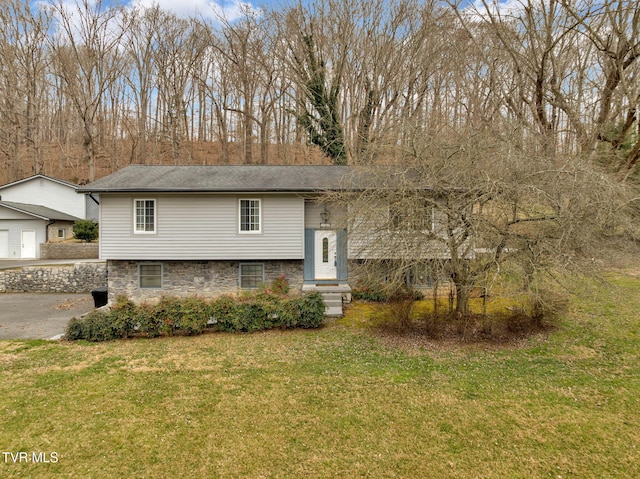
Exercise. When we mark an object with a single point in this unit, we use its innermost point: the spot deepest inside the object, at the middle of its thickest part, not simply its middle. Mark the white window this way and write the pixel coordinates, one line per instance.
(251, 275)
(250, 216)
(144, 216)
(412, 216)
(62, 233)
(150, 275)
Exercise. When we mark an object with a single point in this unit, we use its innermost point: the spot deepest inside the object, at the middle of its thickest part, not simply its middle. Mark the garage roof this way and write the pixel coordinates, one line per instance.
(38, 211)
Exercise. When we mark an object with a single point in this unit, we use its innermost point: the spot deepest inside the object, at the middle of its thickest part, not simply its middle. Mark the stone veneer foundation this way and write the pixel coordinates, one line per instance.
(194, 278)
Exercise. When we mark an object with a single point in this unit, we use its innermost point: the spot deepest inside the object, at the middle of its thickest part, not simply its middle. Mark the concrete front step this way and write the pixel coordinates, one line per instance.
(333, 302)
(333, 295)
(334, 312)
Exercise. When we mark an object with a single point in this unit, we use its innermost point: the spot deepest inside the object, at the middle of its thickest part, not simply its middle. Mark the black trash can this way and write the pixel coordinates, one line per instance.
(100, 297)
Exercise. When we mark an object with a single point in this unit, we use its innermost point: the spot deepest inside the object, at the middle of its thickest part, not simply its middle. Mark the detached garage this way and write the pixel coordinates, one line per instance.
(4, 244)
(23, 227)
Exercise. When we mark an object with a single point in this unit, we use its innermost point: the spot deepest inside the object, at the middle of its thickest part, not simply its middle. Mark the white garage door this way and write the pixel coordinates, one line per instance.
(4, 244)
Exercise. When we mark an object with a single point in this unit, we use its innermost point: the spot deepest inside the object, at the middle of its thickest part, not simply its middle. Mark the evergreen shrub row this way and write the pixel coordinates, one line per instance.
(191, 316)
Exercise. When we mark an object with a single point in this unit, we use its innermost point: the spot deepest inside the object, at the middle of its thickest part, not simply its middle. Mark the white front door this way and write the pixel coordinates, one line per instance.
(28, 249)
(4, 244)
(326, 255)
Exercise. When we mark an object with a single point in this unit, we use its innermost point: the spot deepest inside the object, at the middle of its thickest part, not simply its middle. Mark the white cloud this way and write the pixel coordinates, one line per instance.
(200, 8)
(495, 7)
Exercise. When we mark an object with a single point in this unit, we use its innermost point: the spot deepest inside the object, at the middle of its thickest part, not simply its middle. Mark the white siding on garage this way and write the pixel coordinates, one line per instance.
(14, 230)
(202, 227)
(4, 244)
(45, 192)
(9, 214)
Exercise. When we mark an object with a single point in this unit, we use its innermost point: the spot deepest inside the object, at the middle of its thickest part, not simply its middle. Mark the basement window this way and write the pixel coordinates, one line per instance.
(251, 275)
(150, 276)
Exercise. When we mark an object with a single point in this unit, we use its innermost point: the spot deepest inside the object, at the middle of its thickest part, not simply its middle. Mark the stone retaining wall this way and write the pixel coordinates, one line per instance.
(76, 278)
(69, 251)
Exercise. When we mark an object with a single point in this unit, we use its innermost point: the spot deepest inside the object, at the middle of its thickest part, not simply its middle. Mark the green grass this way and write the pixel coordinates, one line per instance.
(336, 402)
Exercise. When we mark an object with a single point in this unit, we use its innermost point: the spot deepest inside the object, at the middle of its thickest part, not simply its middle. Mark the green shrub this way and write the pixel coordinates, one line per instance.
(96, 326)
(380, 295)
(195, 313)
(168, 314)
(223, 312)
(75, 329)
(123, 316)
(268, 307)
(191, 316)
(250, 317)
(290, 313)
(147, 321)
(312, 310)
(268, 311)
(255, 313)
(85, 230)
(368, 293)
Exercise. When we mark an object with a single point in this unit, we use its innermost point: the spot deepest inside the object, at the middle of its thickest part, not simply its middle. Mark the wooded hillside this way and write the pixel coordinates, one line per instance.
(87, 87)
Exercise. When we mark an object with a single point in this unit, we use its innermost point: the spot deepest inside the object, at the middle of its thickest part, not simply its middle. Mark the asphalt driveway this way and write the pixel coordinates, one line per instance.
(40, 315)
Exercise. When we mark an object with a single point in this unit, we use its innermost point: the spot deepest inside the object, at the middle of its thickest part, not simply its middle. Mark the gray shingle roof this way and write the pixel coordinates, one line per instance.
(220, 178)
(40, 211)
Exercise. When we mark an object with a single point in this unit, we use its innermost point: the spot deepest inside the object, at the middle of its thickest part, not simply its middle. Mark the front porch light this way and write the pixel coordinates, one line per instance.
(324, 216)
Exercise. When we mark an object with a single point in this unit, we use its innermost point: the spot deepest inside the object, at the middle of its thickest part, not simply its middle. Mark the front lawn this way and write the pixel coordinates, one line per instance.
(342, 401)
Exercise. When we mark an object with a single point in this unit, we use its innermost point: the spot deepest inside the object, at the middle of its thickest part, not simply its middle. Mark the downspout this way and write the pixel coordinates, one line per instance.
(46, 231)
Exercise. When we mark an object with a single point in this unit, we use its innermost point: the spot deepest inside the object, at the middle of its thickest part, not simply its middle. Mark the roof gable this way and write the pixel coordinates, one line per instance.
(44, 177)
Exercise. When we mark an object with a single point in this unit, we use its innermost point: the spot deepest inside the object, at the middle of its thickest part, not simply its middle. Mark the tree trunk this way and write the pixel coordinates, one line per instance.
(462, 300)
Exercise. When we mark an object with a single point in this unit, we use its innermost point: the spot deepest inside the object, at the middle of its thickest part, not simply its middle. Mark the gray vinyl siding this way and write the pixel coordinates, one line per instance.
(370, 239)
(92, 208)
(313, 210)
(202, 227)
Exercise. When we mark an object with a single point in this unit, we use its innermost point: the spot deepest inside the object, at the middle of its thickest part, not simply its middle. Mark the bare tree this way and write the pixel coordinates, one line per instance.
(180, 49)
(86, 50)
(574, 69)
(215, 83)
(24, 62)
(141, 43)
(472, 205)
(244, 46)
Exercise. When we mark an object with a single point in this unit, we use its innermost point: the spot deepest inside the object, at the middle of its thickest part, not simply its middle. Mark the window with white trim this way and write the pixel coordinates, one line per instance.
(150, 275)
(250, 216)
(144, 216)
(251, 275)
(62, 233)
(412, 216)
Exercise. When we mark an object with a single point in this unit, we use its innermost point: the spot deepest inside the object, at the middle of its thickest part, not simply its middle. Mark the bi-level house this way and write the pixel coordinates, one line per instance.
(206, 230)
